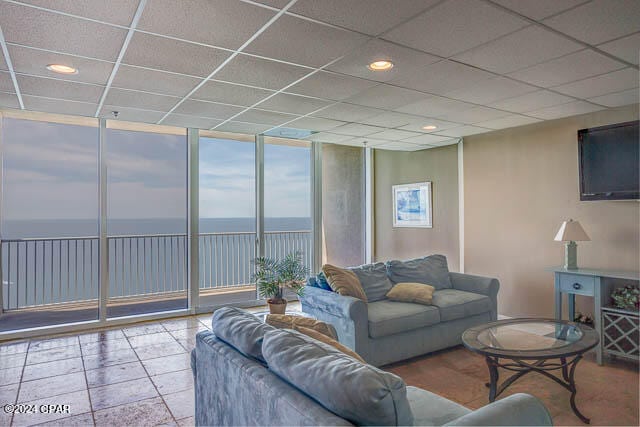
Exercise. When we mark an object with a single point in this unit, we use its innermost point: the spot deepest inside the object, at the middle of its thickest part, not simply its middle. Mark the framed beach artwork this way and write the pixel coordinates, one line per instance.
(412, 205)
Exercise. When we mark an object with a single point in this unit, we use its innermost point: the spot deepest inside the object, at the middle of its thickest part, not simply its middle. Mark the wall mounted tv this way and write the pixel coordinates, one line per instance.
(609, 159)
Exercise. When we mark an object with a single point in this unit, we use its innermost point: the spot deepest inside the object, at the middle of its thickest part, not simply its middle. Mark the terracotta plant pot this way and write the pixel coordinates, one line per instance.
(277, 306)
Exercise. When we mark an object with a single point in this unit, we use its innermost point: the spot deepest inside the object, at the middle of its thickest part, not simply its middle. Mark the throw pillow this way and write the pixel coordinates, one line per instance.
(288, 321)
(431, 270)
(330, 341)
(412, 292)
(374, 280)
(321, 281)
(344, 282)
(241, 330)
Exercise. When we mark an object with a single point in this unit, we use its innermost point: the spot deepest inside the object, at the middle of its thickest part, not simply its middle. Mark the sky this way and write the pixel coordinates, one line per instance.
(50, 172)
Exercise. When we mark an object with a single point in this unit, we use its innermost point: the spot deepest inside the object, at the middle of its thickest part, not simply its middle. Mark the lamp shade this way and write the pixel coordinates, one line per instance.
(571, 231)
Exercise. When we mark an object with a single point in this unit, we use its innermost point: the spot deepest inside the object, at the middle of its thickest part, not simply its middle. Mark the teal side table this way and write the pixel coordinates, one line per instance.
(591, 283)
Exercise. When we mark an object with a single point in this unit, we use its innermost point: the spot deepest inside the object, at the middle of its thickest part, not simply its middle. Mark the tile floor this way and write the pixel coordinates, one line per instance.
(140, 375)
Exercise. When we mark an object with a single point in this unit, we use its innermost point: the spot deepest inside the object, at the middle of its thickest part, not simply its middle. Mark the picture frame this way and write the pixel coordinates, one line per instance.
(412, 205)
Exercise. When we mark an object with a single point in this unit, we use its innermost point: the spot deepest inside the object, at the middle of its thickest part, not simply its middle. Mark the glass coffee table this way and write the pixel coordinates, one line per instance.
(532, 345)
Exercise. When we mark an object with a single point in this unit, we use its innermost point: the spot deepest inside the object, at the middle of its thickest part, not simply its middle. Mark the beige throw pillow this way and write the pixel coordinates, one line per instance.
(412, 292)
(344, 282)
(288, 321)
(333, 343)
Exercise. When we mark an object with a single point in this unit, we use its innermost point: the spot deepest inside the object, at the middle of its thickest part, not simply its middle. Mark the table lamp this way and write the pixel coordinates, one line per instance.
(571, 232)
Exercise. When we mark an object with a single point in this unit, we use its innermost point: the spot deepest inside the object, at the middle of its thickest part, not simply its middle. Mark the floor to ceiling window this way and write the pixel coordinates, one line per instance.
(49, 226)
(147, 218)
(227, 204)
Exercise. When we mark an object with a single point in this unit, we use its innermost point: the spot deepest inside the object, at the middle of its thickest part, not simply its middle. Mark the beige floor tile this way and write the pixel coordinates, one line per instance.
(14, 348)
(48, 344)
(106, 335)
(150, 412)
(173, 382)
(49, 387)
(78, 404)
(81, 420)
(181, 404)
(96, 361)
(119, 394)
(12, 360)
(52, 369)
(162, 365)
(144, 329)
(106, 346)
(10, 375)
(115, 374)
(151, 339)
(50, 355)
(159, 350)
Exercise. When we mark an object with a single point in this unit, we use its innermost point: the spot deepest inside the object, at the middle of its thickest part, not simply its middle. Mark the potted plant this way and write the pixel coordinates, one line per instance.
(273, 276)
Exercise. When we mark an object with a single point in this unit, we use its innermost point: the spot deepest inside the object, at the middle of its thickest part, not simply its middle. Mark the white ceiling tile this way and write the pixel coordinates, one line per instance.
(264, 117)
(6, 84)
(473, 22)
(539, 9)
(365, 142)
(33, 61)
(227, 93)
(294, 104)
(190, 121)
(330, 138)
(46, 30)
(565, 110)
(208, 109)
(331, 86)
(521, 49)
(130, 114)
(173, 55)
(222, 23)
(434, 106)
(599, 21)
(391, 119)
(141, 100)
(60, 89)
(626, 48)
(426, 139)
(531, 101)
(399, 146)
(451, 141)
(396, 134)
(58, 106)
(575, 66)
(143, 79)
(241, 127)
(315, 123)
(406, 61)
(386, 96)
(425, 121)
(3, 63)
(9, 100)
(274, 3)
(119, 12)
(491, 90)
(347, 112)
(618, 99)
(474, 115)
(615, 81)
(304, 42)
(443, 77)
(464, 131)
(260, 72)
(508, 122)
(357, 129)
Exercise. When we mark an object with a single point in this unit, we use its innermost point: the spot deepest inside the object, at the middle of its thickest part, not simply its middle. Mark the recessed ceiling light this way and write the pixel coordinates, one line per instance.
(429, 127)
(381, 65)
(62, 69)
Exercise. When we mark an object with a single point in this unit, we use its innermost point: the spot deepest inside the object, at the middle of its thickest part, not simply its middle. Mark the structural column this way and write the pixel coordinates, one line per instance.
(316, 204)
(193, 216)
(103, 243)
(368, 206)
(259, 195)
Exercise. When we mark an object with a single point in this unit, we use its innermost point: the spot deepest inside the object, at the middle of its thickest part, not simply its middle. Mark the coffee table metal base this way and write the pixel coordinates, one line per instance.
(542, 366)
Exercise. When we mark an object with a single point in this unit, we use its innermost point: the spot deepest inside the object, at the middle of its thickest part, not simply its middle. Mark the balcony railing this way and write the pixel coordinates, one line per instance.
(56, 271)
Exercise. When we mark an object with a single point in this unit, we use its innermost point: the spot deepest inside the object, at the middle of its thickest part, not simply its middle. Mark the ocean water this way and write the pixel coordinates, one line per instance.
(145, 256)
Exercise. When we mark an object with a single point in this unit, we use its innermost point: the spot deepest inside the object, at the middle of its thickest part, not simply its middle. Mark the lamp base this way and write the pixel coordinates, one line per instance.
(571, 256)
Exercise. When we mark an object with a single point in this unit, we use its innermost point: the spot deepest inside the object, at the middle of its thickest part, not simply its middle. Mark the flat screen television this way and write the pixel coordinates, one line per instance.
(609, 159)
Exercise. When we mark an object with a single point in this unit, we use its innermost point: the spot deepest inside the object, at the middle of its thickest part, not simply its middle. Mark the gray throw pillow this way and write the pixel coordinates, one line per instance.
(357, 392)
(374, 280)
(241, 330)
(431, 270)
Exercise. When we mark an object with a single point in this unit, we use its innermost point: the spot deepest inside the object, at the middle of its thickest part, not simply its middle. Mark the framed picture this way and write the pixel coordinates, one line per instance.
(412, 205)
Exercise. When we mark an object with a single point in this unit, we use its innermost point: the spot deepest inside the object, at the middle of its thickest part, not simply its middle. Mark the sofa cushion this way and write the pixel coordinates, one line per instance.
(429, 409)
(418, 293)
(328, 340)
(241, 330)
(391, 317)
(431, 270)
(454, 304)
(374, 280)
(291, 321)
(344, 282)
(355, 391)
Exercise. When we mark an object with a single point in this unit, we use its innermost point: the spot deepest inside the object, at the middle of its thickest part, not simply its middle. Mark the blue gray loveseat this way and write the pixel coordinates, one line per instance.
(249, 373)
(383, 331)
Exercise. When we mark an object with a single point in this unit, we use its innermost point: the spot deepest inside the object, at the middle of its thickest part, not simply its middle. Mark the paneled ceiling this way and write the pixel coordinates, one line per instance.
(463, 66)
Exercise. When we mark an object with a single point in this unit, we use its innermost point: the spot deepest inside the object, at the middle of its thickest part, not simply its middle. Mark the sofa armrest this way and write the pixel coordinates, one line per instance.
(488, 286)
(348, 315)
(516, 410)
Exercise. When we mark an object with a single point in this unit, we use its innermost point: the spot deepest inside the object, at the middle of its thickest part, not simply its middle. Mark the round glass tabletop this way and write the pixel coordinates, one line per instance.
(530, 338)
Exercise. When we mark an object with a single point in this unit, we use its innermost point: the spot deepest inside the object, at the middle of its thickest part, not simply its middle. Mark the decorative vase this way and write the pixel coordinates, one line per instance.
(278, 306)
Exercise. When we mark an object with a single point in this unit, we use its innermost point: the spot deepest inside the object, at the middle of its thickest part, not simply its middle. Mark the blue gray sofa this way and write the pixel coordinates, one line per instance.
(383, 331)
(249, 373)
